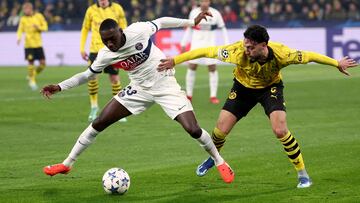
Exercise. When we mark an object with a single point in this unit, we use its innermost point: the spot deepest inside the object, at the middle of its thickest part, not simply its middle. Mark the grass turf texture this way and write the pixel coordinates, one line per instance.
(323, 114)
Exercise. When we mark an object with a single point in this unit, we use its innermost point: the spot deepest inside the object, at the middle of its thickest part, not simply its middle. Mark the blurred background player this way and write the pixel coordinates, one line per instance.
(95, 14)
(203, 35)
(32, 24)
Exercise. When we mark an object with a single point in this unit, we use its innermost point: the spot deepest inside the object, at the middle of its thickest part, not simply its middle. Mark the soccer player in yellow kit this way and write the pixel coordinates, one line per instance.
(258, 80)
(32, 24)
(95, 14)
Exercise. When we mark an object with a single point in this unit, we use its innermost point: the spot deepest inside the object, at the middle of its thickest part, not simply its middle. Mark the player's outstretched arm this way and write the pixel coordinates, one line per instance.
(168, 63)
(72, 82)
(170, 22)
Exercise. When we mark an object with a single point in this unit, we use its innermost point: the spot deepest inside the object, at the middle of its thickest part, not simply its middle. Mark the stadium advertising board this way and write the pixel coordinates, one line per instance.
(62, 48)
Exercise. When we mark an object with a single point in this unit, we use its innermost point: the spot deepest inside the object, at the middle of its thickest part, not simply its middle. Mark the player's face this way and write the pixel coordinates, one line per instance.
(28, 9)
(205, 4)
(103, 3)
(254, 50)
(112, 38)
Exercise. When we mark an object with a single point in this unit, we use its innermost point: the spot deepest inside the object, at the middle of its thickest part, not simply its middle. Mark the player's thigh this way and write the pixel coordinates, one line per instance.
(238, 104)
(29, 55)
(134, 99)
(273, 102)
(272, 98)
(112, 112)
(39, 54)
(171, 98)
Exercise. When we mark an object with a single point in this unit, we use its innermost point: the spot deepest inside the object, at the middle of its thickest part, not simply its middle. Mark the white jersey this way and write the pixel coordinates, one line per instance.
(203, 35)
(139, 56)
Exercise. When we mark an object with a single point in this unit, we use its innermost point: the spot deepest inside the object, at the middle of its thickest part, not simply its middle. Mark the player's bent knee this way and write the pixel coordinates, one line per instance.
(194, 131)
(280, 132)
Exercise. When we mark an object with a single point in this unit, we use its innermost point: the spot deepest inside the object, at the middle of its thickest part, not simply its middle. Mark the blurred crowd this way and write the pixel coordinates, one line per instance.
(62, 13)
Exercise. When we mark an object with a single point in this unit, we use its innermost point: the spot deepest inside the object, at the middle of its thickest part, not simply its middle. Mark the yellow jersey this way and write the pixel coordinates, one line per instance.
(93, 18)
(253, 74)
(28, 25)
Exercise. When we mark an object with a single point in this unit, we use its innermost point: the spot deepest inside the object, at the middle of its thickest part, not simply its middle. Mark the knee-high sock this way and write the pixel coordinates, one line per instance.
(218, 138)
(206, 143)
(213, 82)
(40, 68)
(31, 73)
(93, 87)
(85, 139)
(115, 88)
(190, 81)
(292, 149)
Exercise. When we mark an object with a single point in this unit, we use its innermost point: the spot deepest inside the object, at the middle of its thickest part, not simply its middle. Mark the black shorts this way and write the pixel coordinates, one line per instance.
(242, 99)
(109, 70)
(32, 54)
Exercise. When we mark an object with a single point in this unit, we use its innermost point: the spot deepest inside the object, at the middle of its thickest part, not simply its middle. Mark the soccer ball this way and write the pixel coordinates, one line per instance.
(116, 181)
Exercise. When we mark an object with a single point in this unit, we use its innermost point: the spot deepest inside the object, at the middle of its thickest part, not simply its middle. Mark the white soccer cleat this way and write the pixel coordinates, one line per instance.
(123, 120)
(33, 86)
(304, 182)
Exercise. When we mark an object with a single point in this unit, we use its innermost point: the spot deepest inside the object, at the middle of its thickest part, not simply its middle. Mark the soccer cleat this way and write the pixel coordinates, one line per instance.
(304, 182)
(93, 113)
(56, 169)
(123, 120)
(214, 100)
(203, 168)
(33, 85)
(189, 98)
(226, 173)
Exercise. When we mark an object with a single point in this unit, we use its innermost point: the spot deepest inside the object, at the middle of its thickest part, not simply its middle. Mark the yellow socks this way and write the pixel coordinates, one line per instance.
(115, 88)
(40, 68)
(93, 87)
(218, 138)
(31, 73)
(292, 149)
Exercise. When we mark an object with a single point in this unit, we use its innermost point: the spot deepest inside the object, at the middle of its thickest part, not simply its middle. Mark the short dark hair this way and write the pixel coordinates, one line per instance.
(257, 33)
(108, 24)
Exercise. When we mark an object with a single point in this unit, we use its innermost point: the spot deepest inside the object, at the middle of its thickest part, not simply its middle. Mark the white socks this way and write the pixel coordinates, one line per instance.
(84, 140)
(190, 81)
(213, 82)
(207, 143)
(303, 173)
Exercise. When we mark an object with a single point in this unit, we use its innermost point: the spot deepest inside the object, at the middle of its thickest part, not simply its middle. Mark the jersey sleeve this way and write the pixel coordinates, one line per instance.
(86, 26)
(20, 29)
(43, 24)
(226, 53)
(101, 62)
(293, 56)
(220, 21)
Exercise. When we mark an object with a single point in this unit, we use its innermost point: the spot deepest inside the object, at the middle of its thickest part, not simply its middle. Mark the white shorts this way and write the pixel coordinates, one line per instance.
(166, 92)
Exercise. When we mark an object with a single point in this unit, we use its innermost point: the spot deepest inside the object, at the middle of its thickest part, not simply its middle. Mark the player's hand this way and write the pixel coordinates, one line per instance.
(18, 41)
(165, 64)
(49, 90)
(346, 63)
(84, 55)
(201, 16)
(36, 27)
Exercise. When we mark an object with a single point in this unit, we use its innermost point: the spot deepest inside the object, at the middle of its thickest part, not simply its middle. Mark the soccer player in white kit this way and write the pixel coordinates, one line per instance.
(131, 49)
(203, 35)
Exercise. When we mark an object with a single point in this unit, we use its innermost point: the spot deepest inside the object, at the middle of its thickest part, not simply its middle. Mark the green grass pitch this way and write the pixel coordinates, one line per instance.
(323, 113)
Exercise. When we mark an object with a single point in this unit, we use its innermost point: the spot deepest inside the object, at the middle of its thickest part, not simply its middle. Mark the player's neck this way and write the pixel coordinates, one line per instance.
(204, 9)
(123, 40)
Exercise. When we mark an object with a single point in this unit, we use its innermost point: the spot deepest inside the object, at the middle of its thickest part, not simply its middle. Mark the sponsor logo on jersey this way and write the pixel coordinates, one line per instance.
(139, 46)
(134, 60)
